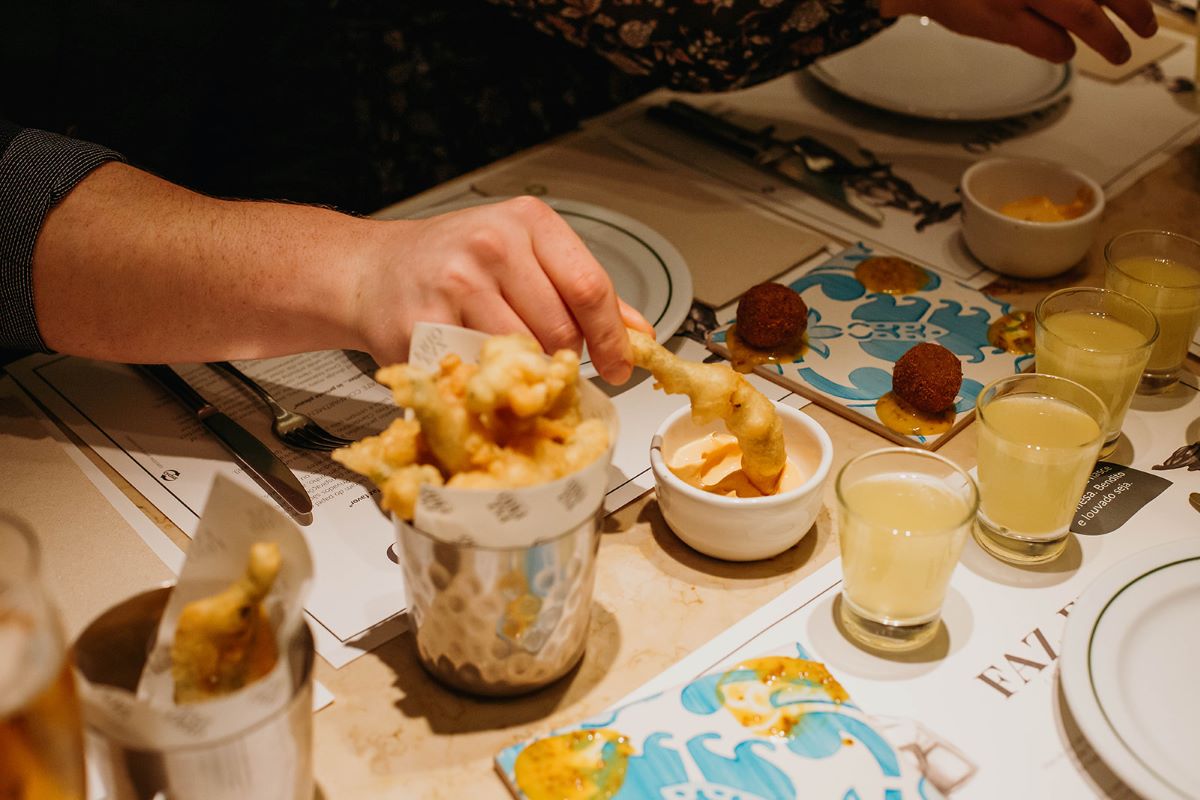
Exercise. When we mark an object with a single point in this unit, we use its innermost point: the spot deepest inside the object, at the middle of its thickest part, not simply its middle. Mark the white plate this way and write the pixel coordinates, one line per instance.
(646, 270)
(1129, 669)
(919, 68)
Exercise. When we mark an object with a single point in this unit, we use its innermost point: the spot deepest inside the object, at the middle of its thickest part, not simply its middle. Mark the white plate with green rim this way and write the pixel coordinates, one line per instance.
(647, 271)
(1129, 669)
(919, 68)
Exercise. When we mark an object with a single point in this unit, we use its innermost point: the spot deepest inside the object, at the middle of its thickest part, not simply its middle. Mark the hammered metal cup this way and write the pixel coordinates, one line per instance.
(268, 760)
(500, 621)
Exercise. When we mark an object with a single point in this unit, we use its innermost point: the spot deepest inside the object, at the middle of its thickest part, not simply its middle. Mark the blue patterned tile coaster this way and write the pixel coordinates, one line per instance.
(856, 336)
(777, 727)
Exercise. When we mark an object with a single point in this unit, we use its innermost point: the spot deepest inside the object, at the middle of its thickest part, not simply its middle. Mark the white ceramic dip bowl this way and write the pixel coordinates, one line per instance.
(742, 529)
(1018, 247)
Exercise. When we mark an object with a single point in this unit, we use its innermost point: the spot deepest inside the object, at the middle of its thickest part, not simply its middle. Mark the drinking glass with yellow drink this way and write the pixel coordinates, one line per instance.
(1098, 338)
(904, 516)
(41, 734)
(1162, 271)
(1039, 437)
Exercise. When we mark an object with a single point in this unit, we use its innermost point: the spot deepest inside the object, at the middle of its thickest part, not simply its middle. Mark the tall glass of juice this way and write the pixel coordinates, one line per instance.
(904, 516)
(1039, 436)
(1162, 271)
(41, 733)
(1099, 338)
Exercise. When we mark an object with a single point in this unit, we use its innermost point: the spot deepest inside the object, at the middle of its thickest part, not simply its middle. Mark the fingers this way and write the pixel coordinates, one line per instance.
(1088, 20)
(493, 315)
(1041, 36)
(1137, 14)
(584, 287)
(633, 318)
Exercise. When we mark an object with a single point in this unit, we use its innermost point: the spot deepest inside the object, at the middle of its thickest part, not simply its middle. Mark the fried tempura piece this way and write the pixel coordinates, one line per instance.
(717, 392)
(225, 641)
(514, 420)
(514, 374)
(456, 438)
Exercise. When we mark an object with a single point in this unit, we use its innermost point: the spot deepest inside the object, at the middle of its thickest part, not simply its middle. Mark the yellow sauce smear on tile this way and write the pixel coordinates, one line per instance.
(580, 765)
(745, 358)
(1012, 333)
(901, 417)
(891, 275)
(751, 701)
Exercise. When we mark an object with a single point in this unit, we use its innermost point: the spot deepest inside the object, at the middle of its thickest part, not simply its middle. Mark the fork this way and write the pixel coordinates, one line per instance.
(292, 428)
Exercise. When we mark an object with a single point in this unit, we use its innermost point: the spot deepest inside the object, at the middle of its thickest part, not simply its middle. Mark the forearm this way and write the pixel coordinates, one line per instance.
(129, 267)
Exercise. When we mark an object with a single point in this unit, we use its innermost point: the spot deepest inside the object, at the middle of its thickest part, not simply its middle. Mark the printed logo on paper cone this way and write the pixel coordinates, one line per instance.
(571, 495)
(507, 507)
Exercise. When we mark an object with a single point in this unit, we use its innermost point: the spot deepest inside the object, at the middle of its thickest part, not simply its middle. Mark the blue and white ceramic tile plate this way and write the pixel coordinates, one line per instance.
(776, 727)
(855, 337)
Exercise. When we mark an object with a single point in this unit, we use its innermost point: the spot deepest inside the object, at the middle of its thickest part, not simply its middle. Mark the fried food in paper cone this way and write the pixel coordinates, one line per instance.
(225, 642)
(510, 421)
(717, 392)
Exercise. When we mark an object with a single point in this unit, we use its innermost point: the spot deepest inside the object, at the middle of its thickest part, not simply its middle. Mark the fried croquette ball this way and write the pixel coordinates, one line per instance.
(928, 377)
(771, 314)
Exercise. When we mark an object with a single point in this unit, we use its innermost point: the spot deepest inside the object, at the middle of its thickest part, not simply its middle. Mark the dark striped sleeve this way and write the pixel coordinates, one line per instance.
(37, 170)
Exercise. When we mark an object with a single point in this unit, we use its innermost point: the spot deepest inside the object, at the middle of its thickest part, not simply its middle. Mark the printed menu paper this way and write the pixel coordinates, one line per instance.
(988, 683)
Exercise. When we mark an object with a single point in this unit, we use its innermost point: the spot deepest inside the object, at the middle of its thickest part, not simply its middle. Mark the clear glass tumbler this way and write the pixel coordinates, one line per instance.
(1162, 271)
(41, 733)
(904, 516)
(1039, 437)
(1099, 338)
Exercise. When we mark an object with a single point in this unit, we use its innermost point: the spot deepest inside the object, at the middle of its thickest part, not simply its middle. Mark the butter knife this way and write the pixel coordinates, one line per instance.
(254, 457)
(786, 160)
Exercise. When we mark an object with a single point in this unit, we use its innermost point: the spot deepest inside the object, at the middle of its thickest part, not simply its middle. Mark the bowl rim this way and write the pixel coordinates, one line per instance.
(663, 474)
(1091, 215)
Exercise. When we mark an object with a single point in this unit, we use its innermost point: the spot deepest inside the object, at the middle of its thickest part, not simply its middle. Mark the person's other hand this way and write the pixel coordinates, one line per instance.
(507, 267)
(1039, 27)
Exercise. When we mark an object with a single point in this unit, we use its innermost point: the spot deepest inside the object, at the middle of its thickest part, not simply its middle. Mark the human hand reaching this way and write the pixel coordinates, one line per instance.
(1039, 27)
(507, 267)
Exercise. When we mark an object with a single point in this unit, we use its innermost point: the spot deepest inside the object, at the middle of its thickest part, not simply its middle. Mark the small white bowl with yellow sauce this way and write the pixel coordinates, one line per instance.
(738, 528)
(1028, 218)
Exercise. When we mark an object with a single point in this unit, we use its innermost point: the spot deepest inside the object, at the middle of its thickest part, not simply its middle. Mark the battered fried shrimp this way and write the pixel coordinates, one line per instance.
(513, 420)
(717, 392)
(455, 438)
(514, 374)
(770, 315)
(928, 377)
(225, 642)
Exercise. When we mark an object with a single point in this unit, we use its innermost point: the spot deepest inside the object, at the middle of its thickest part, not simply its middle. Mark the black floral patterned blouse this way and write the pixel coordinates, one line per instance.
(360, 103)
(705, 45)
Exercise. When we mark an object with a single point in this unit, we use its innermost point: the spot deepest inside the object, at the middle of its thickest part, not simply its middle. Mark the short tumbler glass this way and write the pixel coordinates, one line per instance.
(1099, 338)
(1039, 436)
(1162, 271)
(904, 516)
(41, 733)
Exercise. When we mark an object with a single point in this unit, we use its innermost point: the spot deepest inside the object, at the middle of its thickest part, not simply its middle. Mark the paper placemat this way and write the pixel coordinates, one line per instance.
(988, 682)
(158, 446)
(710, 228)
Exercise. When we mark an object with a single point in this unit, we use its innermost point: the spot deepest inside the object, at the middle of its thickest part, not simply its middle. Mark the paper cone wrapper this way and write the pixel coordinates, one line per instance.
(508, 518)
(233, 520)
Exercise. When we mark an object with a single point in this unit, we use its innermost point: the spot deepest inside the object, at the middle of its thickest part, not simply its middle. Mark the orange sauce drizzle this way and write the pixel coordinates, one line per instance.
(745, 358)
(891, 275)
(901, 417)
